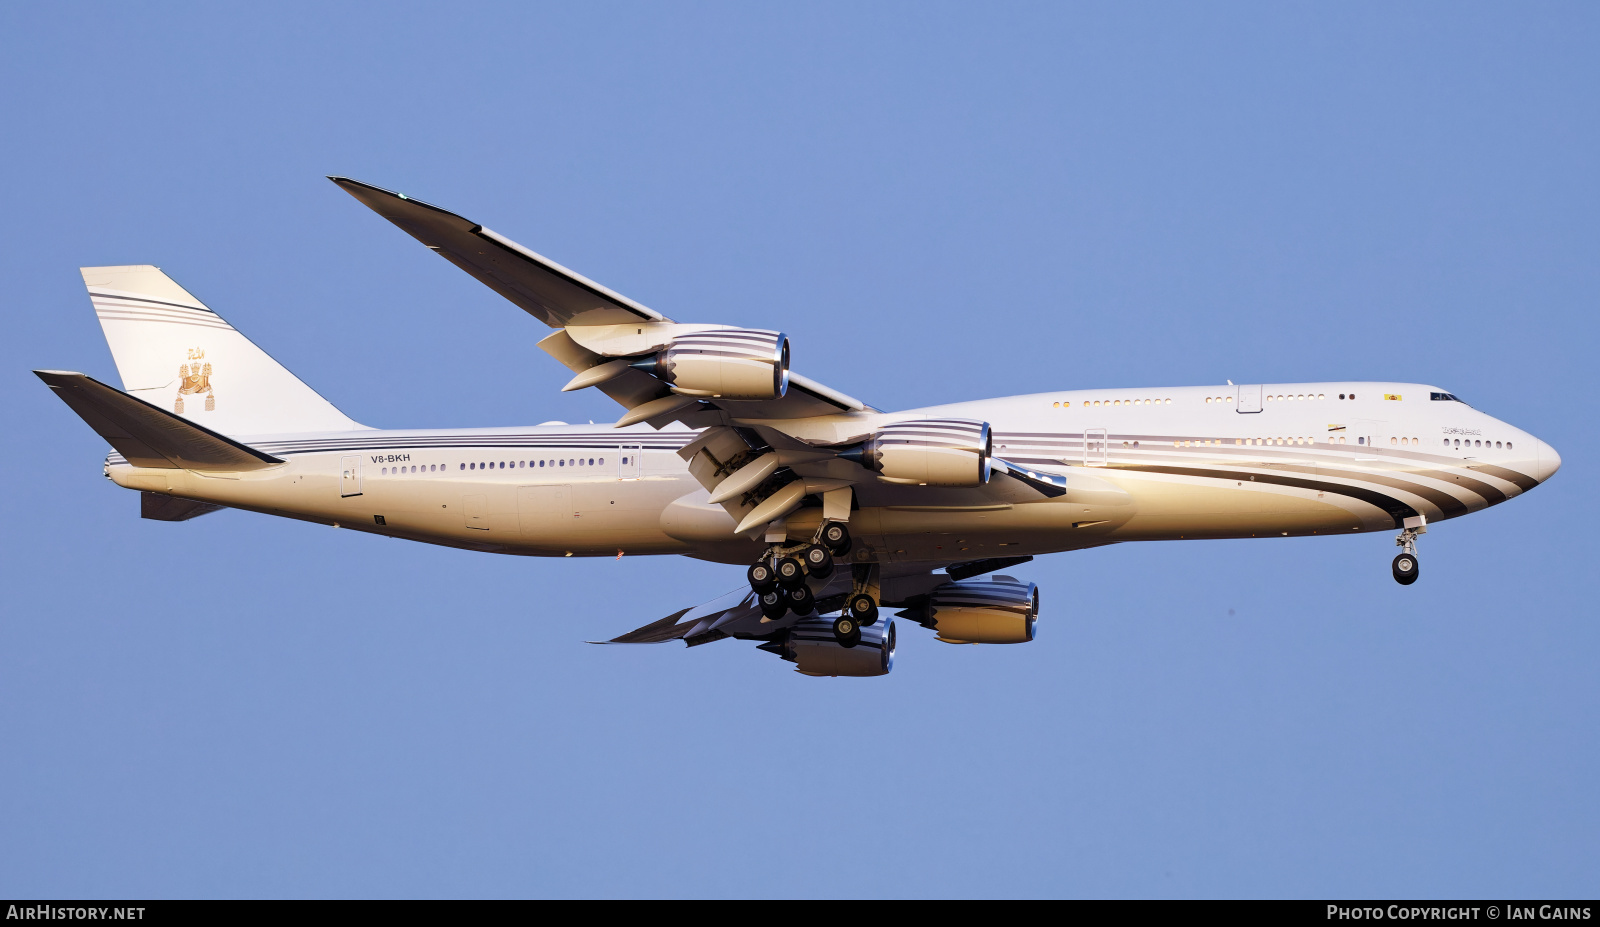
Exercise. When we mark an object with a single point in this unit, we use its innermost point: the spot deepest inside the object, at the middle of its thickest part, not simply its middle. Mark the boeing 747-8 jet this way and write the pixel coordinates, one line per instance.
(723, 453)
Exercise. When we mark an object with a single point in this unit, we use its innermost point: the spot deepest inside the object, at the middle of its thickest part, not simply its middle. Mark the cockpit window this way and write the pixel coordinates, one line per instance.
(1445, 397)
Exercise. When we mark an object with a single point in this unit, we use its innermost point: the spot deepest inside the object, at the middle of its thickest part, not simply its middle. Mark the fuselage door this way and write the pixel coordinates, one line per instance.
(1094, 447)
(477, 511)
(350, 476)
(545, 512)
(629, 461)
(1249, 399)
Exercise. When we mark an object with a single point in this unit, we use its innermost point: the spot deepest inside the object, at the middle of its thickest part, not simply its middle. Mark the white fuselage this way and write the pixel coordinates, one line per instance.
(1141, 464)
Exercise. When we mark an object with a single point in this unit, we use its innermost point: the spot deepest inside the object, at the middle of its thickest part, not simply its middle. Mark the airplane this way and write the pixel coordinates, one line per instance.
(723, 453)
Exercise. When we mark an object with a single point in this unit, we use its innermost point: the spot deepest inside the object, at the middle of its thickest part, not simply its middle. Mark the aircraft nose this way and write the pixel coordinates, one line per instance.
(1546, 461)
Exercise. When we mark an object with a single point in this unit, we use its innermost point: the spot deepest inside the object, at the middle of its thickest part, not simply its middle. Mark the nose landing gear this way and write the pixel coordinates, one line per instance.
(1405, 566)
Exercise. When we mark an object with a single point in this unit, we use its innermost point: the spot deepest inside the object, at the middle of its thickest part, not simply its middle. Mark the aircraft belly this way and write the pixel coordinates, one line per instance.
(1173, 510)
(596, 517)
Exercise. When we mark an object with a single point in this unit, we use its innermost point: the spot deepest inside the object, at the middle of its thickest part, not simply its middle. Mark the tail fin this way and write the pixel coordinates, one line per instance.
(174, 353)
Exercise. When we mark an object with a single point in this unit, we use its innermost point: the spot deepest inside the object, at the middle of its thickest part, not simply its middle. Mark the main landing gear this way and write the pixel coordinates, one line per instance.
(779, 580)
(860, 611)
(1405, 566)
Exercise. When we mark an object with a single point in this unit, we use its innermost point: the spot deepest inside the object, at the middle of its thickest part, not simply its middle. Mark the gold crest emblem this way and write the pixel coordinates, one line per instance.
(194, 378)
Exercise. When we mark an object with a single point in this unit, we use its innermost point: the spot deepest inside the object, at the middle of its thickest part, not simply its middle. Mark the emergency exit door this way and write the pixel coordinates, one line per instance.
(629, 464)
(1094, 447)
(1249, 399)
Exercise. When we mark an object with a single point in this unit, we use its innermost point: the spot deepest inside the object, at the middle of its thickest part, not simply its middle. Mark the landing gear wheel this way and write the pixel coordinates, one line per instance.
(819, 562)
(846, 631)
(789, 572)
(762, 578)
(774, 605)
(800, 599)
(1406, 569)
(837, 538)
(862, 610)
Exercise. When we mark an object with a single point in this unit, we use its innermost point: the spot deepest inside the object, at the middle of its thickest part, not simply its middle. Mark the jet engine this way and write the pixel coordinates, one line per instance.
(1001, 611)
(928, 452)
(724, 363)
(811, 646)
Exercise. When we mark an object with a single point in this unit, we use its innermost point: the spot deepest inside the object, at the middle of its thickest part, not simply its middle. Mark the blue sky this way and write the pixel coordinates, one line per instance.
(936, 202)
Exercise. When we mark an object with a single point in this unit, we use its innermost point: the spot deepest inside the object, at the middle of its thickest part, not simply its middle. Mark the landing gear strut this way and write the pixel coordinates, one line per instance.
(1405, 566)
(860, 608)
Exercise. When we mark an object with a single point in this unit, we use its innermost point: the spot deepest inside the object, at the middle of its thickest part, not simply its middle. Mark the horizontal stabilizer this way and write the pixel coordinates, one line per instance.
(149, 436)
(158, 506)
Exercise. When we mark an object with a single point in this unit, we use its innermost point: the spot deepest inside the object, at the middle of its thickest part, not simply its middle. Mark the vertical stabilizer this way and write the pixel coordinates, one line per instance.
(174, 353)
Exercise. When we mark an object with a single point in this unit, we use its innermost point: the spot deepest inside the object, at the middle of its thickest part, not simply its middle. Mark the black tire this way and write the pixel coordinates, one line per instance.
(836, 537)
(789, 572)
(774, 604)
(761, 577)
(1406, 569)
(846, 631)
(818, 561)
(863, 610)
(801, 600)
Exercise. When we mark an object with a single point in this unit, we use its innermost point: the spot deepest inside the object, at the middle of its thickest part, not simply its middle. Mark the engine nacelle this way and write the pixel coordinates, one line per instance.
(929, 452)
(724, 363)
(815, 652)
(1001, 611)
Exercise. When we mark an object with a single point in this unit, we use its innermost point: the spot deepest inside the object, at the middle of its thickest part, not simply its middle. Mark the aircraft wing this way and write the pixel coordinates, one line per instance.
(564, 299)
(544, 289)
(738, 615)
(788, 437)
(808, 640)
